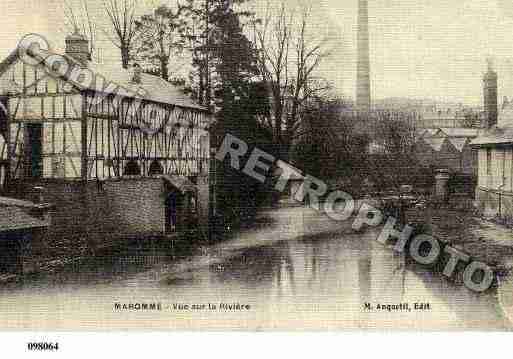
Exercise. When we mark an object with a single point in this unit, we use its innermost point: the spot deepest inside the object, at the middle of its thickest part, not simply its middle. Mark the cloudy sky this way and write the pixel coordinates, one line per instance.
(419, 48)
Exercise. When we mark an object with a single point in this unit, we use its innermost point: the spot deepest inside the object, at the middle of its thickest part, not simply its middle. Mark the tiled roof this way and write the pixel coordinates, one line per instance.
(8, 61)
(13, 218)
(458, 142)
(420, 132)
(439, 117)
(154, 87)
(460, 132)
(496, 135)
(435, 143)
(431, 131)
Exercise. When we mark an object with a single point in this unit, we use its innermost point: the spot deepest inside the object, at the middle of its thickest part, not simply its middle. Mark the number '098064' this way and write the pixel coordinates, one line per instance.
(42, 346)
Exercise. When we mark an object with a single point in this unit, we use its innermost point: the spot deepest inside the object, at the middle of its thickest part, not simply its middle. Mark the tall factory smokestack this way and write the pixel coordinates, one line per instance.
(363, 96)
(490, 96)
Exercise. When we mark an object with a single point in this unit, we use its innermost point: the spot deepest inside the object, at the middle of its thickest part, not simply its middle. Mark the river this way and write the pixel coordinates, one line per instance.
(294, 269)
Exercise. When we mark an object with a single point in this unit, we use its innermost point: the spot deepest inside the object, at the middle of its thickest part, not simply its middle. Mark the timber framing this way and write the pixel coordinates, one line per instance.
(89, 135)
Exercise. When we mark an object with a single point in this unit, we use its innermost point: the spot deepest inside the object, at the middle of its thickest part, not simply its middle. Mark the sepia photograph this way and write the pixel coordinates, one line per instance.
(255, 165)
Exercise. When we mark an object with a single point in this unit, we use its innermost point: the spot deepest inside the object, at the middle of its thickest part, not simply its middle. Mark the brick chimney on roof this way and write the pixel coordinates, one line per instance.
(77, 47)
(136, 73)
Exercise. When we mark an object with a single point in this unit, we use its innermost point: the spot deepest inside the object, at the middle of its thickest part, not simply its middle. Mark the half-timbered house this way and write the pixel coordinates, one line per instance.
(117, 151)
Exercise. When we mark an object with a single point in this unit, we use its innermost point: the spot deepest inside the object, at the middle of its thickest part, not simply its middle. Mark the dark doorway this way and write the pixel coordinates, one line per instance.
(34, 150)
(3, 175)
(132, 169)
(10, 252)
(173, 204)
(155, 169)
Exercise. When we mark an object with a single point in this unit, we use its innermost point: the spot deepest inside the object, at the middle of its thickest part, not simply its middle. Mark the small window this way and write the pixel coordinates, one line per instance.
(193, 179)
(488, 161)
(132, 169)
(155, 169)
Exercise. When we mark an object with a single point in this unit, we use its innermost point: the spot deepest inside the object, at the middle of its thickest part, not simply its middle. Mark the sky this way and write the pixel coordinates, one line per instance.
(433, 49)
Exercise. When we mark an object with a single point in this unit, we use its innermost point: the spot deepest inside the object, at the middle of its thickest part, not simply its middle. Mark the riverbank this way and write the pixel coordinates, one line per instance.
(457, 224)
(296, 268)
(174, 245)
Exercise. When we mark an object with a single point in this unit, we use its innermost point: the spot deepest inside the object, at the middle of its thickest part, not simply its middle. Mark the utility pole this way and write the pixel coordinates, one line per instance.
(207, 53)
(214, 141)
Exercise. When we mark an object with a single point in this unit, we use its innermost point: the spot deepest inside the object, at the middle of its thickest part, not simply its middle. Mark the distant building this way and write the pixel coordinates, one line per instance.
(448, 148)
(494, 193)
(506, 114)
(436, 117)
(4, 160)
(431, 114)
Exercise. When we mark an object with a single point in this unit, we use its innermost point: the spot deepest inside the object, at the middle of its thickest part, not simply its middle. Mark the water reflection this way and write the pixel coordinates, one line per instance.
(330, 279)
(320, 281)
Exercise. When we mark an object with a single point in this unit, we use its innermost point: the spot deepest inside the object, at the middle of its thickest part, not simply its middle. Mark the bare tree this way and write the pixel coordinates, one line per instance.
(122, 17)
(197, 40)
(78, 18)
(160, 37)
(287, 59)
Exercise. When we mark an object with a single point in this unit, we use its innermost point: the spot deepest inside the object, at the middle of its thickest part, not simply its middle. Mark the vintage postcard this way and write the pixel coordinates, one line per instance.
(254, 165)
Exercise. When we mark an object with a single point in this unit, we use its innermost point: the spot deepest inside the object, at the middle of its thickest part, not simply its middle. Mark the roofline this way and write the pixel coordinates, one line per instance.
(9, 60)
(195, 107)
(497, 143)
(14, 55)
(14, 202)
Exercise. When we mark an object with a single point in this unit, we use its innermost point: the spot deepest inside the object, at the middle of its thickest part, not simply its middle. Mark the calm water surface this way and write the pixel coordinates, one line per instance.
(297, 270)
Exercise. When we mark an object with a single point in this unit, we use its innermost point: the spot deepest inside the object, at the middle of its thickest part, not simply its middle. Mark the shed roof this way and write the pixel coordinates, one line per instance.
(13, 202)
(181, 183)
(294, 172)
(13, 218)
(495, 135)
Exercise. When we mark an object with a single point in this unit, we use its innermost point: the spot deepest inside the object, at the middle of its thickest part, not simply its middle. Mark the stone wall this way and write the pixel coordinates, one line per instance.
(89, 216)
